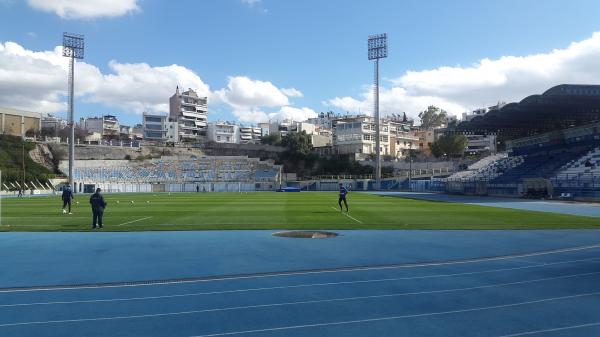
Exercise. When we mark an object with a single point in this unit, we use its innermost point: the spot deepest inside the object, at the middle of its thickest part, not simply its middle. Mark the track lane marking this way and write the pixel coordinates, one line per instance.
(319, 301)
(294, 273)
(535, 332)
(288, 287)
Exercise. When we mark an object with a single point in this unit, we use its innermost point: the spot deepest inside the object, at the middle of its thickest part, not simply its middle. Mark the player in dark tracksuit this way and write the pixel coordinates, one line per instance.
(98, 206)
(343, 192)
(67, 197)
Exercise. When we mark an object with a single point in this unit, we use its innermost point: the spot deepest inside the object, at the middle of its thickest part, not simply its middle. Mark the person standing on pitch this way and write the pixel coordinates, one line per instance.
(98, 206)
(343, 192)
(67, 198)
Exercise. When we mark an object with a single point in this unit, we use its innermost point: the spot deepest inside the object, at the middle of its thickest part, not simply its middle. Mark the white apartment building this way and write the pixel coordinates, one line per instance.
(356, 135)
(191, 113)
(250, 134)
(402, 139)
(53, 122)
(223, 132)
(106, 126)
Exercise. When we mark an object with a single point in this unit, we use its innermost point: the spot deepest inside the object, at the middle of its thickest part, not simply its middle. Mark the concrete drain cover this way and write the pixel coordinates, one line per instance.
(306, 234)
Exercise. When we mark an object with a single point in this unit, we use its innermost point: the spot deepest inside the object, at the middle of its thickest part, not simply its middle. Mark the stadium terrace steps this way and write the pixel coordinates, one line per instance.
(175, 170)
(587, 165)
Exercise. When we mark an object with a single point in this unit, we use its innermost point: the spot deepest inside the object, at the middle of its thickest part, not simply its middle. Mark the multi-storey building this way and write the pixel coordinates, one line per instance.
(191, 114)
(154, 127)
(51, 122)
(107, 126)
(356, 135)
(250, 134)
(223, 132)
(402, 139)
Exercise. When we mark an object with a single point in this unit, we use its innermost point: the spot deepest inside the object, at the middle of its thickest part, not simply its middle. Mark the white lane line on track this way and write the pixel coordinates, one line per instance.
(309, 272)
(536, 332)
(348, 215)
(269, 305)
(295, 286)
(291, 286)
(132, 221)
(389, 318)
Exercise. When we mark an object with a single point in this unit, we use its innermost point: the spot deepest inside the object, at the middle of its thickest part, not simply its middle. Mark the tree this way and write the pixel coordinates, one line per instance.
(451, 145)
(271, 139)
(297, 143)
(433, 117)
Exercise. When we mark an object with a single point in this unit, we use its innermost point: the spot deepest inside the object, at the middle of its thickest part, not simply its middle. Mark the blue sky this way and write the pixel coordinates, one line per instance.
(247, 53)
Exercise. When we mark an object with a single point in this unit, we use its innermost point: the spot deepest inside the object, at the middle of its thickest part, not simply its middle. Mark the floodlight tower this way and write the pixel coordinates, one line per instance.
(73, 49)
(377, 50)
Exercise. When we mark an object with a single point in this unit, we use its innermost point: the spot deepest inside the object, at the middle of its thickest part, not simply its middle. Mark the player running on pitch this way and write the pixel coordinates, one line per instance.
(343, 192)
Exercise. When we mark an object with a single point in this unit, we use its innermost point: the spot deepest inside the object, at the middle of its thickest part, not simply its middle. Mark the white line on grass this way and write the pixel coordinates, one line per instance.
(310, 272)
(346, 214)
(318, 285)
(109, 318)
(132, 221)
(526, 333)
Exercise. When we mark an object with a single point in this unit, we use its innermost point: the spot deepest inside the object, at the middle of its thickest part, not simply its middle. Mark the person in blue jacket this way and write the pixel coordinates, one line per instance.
(343, 193)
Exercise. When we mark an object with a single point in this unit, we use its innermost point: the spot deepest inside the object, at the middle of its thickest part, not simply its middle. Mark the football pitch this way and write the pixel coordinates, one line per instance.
(269, 210)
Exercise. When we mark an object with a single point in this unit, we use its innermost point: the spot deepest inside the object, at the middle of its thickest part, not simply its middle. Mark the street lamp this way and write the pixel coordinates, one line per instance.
(377, 49)
(73, 49)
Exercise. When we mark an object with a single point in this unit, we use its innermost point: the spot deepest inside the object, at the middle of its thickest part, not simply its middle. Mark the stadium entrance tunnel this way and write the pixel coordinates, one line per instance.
(306, 234)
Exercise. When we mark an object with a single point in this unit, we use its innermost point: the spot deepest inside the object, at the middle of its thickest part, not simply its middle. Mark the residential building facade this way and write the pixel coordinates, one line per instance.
(223, 132)
(107, 126)
(191, 114)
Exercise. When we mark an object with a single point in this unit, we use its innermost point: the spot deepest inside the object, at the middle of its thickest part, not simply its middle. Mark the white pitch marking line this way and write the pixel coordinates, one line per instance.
(132, 221)
(346, 214)
(330, 300)
(552, 330)
(320, 285)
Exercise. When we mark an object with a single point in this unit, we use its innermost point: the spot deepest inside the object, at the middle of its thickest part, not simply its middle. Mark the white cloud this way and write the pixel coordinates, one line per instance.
(458, 89)
(296, 114)
(85, 9)
(243, 93)
(292, 92)
(250, 115)
(38, 81)
(31, 34)
(250, 99)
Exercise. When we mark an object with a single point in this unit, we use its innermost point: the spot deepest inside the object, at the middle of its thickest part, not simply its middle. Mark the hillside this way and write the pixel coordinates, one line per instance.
(11, 161)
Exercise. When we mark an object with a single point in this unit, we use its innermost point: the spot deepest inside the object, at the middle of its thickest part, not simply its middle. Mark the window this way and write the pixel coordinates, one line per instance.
(366, 137)
(218, 138)
(153, 127)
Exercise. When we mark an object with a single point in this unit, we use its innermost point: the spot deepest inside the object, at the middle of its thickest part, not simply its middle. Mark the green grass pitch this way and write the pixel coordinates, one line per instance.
(269, 210)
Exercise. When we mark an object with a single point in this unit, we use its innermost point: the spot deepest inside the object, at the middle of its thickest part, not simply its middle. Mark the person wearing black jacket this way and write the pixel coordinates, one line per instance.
(67, 197)
(98, 206)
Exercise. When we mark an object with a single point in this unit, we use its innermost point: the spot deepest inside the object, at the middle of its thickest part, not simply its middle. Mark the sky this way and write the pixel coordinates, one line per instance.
(259, 60)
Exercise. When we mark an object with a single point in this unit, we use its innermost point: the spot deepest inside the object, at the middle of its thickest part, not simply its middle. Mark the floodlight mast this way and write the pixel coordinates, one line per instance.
(73, 49)
(377, 49)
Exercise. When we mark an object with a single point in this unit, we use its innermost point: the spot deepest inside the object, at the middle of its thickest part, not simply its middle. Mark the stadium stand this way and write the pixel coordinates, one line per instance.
(568, 160)
(175, 172)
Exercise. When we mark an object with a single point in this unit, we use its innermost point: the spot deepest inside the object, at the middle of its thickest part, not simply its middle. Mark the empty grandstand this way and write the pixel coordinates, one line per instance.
(569, 159)
(176, 174)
